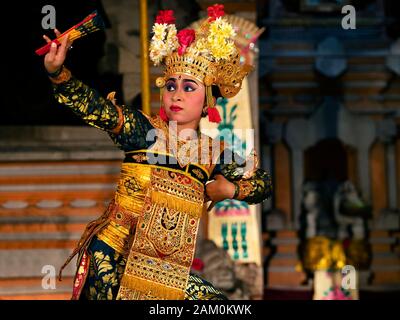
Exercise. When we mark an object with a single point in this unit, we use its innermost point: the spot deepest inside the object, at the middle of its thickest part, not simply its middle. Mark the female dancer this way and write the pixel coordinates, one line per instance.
(143, 246)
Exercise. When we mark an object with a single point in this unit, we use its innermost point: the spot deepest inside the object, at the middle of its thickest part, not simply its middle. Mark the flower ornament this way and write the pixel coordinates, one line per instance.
(215, 11)
(185, 39)
(220, 41)
(164, 40)
(165, 17)
(214, 39)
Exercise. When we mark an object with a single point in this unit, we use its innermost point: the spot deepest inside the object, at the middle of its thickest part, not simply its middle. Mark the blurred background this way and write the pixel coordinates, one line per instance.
(326, 106)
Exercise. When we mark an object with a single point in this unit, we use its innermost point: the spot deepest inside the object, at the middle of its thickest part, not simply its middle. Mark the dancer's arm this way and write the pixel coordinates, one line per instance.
(252, 185)
(126, 126)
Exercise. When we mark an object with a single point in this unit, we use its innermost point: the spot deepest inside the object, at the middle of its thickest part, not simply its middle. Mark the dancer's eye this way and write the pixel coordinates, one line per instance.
(188, 88)
(170, 86)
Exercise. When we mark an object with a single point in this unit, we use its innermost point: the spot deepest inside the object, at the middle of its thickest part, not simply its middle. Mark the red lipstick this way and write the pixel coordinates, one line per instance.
(175, 108)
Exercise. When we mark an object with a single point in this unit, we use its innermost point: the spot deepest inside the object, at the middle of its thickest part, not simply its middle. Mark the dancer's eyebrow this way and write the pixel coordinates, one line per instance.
(185, 80)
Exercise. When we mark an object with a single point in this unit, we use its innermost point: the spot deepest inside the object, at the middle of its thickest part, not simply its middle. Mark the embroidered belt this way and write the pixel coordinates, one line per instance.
(168, 161)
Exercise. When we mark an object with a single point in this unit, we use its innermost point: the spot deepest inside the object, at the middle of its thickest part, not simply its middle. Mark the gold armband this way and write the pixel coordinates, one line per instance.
(63, 76)
(243, 188)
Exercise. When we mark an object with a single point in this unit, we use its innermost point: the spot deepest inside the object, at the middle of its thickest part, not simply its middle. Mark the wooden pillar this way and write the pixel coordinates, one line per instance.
(379, 187)
(391, 174)
(144, 51)
(398, 171)
(282, 180)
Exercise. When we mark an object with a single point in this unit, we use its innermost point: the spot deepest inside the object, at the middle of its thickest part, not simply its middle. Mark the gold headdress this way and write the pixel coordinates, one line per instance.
(208, 54)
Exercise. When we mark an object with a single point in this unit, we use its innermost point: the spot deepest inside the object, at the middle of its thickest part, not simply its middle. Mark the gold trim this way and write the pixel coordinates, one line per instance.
(115, 236)
(152, 289)
(63, 76)
(167, 169)
(169, 201)
(171, 155)
(129, 203)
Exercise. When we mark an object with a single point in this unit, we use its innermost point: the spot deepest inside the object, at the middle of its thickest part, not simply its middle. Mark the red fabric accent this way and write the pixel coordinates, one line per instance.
(80, 276)
(213, 115)
(197, 264)
(163, 114)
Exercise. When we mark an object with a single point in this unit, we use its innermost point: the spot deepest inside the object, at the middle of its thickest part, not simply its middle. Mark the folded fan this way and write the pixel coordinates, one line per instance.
(91, 23)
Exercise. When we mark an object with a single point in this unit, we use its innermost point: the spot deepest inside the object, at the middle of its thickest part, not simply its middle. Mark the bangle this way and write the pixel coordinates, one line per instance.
(237, 190)
(63, 76)
(56, 73)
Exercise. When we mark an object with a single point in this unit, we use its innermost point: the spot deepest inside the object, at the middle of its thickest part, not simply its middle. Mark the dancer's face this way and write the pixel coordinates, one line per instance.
(183, 99)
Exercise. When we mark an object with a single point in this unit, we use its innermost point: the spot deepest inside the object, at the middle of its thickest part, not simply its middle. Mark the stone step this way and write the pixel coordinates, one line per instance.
(32, 289)
(38, 244)
(65, 211)
(285, 276)
(29, 263)
(287, 248)
(388, 277)
(385, 259)
(284, 262)
(42, 227)
(381, 247)
(286, 234)
(383, 240)
(35, 296)
(379, 234)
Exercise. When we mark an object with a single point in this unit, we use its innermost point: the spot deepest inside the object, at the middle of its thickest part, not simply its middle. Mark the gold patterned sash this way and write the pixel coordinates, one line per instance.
(163, 248)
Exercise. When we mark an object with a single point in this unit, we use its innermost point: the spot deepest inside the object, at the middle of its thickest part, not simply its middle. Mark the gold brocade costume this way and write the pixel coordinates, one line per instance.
(154, 216)
(151, 225)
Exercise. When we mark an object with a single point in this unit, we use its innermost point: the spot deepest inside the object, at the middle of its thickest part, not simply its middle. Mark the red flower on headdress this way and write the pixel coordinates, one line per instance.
(185, 38)
(165, 16)
(215, 11)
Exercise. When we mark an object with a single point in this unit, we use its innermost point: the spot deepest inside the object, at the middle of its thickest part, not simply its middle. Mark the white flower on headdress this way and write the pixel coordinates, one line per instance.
(201, 47)
(163, 42)
(172, 40)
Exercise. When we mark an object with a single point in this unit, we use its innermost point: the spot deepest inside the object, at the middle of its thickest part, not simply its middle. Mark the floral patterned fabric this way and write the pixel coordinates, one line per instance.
(106, 267)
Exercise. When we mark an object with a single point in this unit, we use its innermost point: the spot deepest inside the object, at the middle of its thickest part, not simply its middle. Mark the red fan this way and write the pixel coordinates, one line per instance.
(91, 23)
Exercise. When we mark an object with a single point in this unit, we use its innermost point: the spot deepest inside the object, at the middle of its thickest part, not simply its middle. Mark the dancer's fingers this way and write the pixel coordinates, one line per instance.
(52, 52)
(46, 38)
(63, 47)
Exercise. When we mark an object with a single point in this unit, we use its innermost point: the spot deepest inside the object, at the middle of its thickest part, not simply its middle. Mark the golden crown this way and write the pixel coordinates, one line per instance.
(208, 53)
